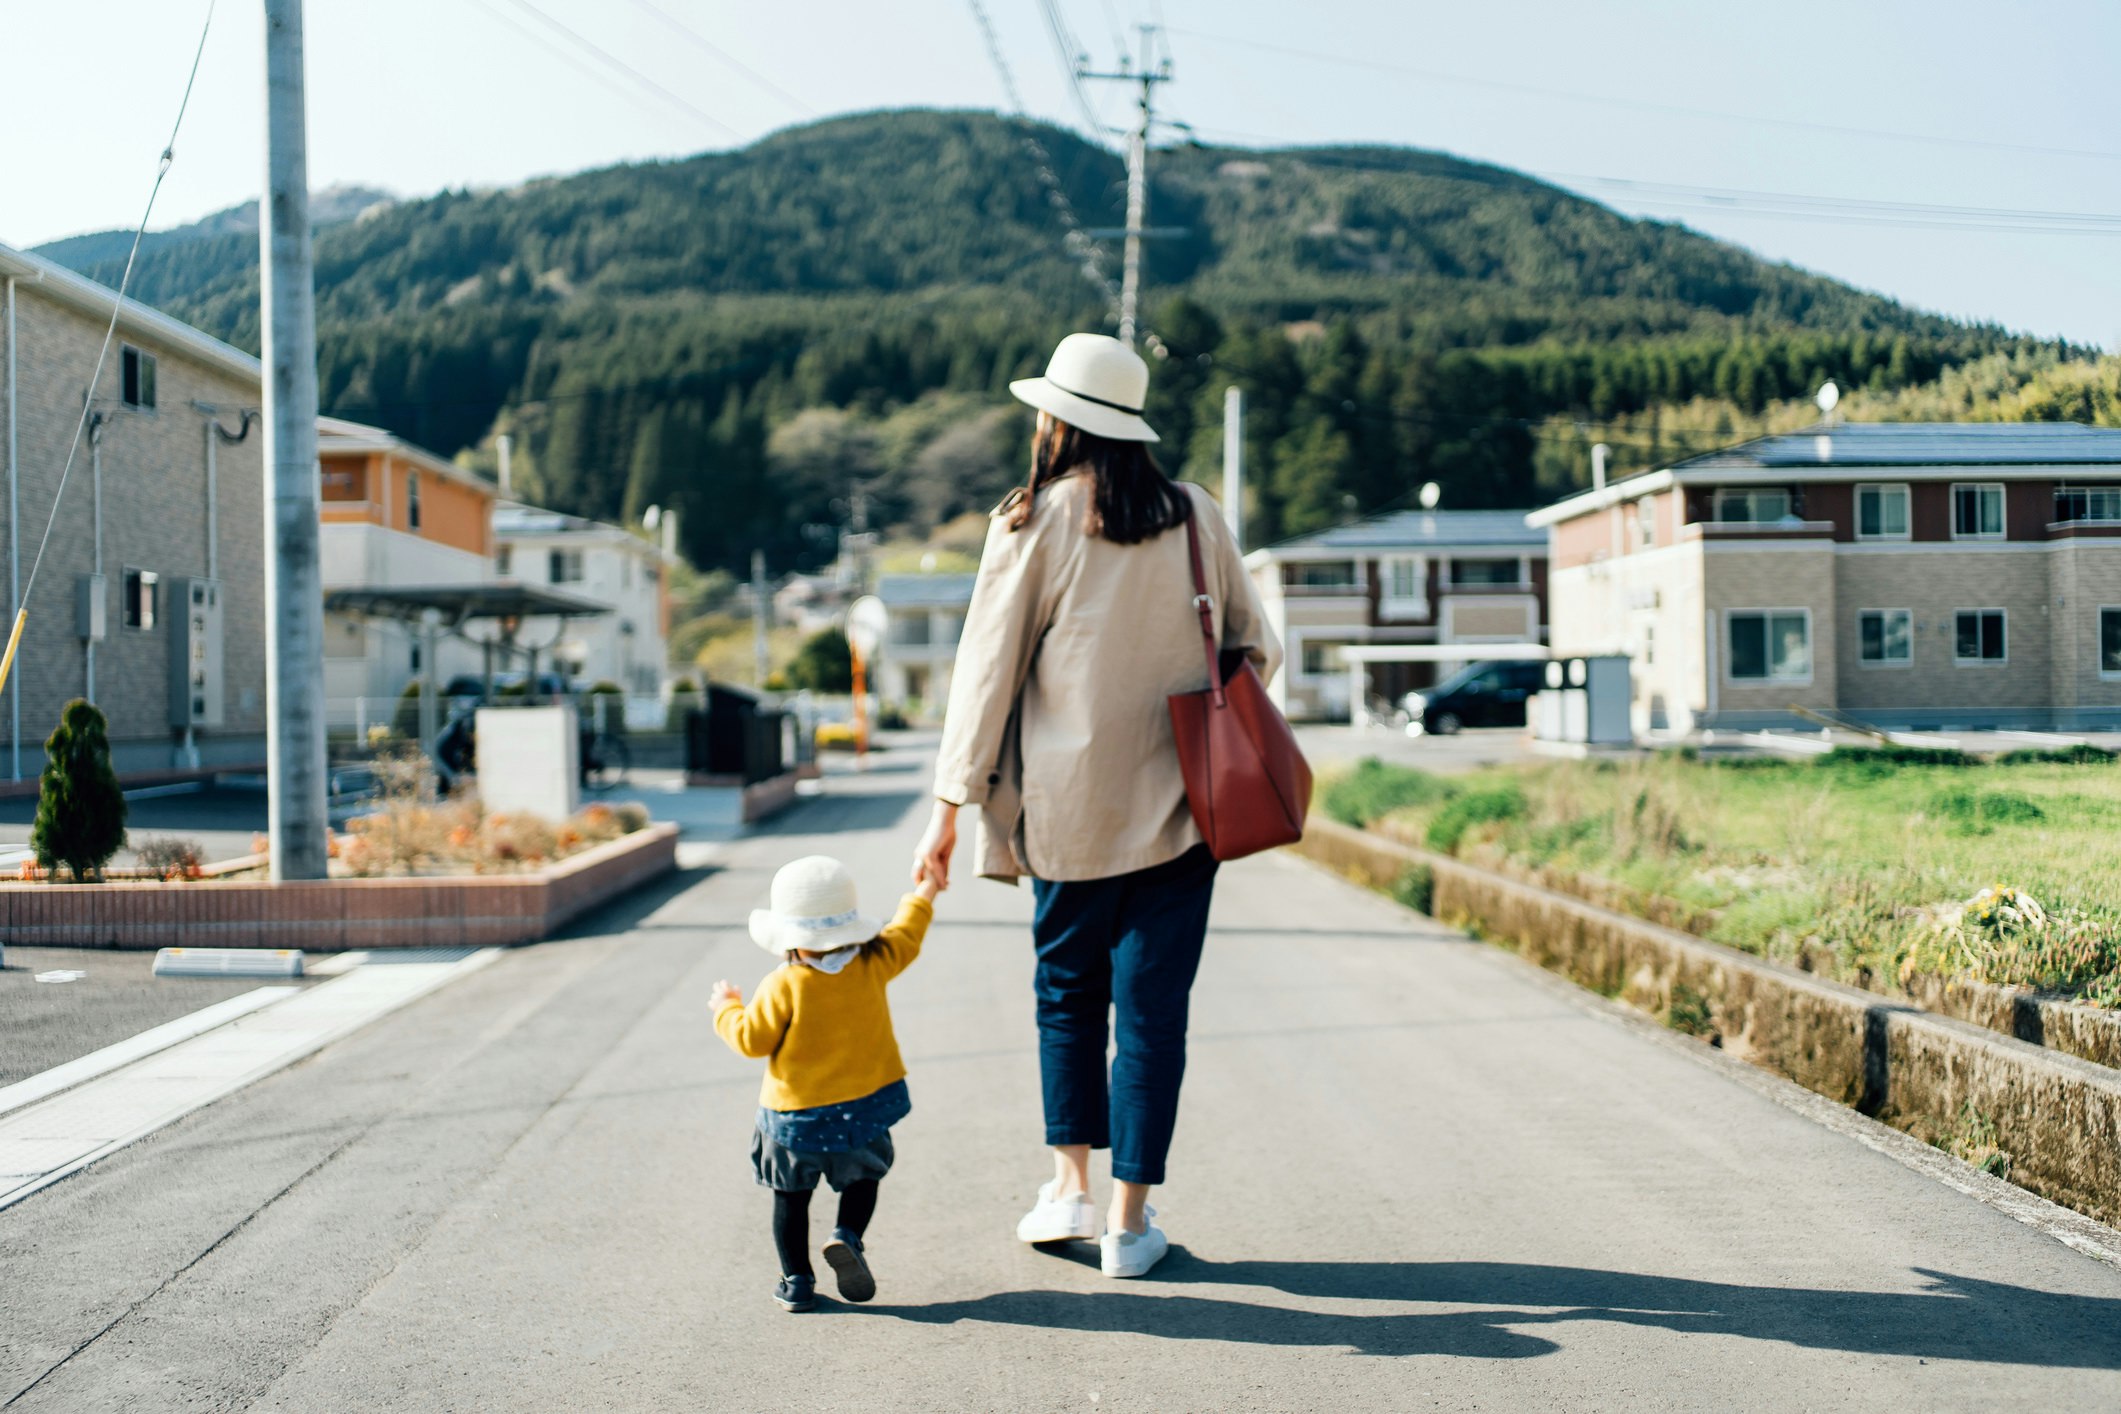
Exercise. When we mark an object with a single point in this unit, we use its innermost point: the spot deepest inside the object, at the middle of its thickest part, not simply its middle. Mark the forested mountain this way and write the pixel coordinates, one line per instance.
(651, 332)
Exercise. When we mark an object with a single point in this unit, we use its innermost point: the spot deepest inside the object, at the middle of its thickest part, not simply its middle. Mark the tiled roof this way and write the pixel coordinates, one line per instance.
(1416, 530)
(1922, 444)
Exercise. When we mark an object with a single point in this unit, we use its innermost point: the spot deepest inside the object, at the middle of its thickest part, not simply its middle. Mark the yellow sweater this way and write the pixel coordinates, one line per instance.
(827, 1037)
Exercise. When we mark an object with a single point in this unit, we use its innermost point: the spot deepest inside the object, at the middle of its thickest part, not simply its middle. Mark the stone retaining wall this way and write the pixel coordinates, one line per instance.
(2057, 1117)
(335, 915)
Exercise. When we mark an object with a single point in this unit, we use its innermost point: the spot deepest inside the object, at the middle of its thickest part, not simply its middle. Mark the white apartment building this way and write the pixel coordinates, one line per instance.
(593, 560)
(925, 618)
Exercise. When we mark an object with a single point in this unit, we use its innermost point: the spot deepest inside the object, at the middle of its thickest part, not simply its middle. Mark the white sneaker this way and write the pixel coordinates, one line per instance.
(1057, 1219)
(1127, 1254)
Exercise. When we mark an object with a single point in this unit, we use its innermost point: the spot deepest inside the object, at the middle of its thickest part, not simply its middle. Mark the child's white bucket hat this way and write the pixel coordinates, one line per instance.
(1095, 383)
(813, 908)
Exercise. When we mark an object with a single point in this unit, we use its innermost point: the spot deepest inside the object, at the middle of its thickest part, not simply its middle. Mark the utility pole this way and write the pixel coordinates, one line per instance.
(761, 660)
(1234, 463)
(1145, 79)
(294, 589)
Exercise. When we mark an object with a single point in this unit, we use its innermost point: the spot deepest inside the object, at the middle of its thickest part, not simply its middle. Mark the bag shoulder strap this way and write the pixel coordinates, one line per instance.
(1204, 605)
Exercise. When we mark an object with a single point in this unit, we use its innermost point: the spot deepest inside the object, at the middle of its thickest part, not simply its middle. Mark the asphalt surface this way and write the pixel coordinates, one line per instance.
(1409, 1175)
(43, 1024)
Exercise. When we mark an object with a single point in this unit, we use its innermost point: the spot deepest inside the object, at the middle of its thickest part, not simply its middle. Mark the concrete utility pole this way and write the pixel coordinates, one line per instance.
(761, 659)
(1146, 78)
(1234, 462)
(294, 588)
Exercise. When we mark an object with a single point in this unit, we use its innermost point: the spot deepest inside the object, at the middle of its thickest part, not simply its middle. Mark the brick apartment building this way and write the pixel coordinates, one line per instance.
(1905, 575)
(162, 509)
(1412, 579)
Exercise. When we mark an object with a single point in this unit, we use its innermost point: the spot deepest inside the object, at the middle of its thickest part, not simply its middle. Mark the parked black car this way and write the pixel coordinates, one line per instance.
(1489, 694)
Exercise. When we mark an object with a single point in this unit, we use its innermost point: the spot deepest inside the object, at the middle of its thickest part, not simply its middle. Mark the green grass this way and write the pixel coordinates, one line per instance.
(1856, 864)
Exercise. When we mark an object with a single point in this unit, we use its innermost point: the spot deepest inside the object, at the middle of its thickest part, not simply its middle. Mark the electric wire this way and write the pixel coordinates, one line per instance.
(573, 59)
(583, 41)
(1071, 55)
(1088, 254)
(1652, 105)
(110, 332)
(725, 56)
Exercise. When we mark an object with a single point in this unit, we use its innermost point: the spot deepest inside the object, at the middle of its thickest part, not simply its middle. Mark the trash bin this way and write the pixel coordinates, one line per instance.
(737, 737)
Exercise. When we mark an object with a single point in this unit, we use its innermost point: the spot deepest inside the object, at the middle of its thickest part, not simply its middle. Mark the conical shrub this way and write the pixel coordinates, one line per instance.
(80, 809)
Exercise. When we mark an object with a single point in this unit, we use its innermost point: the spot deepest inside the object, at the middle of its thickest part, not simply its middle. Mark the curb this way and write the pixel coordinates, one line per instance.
(2057, 1118)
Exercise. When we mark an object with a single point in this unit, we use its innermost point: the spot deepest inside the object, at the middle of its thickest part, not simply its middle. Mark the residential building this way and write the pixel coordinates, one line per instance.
(1904, 575)
(396, 516)
(163, 514)
(925, 617)
(605, 563)
(1411, 579)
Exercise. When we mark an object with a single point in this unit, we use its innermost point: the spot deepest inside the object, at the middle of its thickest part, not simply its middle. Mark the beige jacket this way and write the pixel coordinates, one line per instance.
(1057, 726)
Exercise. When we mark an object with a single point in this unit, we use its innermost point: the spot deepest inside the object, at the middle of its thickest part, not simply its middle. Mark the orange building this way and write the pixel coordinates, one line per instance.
(396, 516)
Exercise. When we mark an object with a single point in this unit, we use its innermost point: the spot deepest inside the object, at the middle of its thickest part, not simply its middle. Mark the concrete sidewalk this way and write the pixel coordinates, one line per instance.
(1408, 1175)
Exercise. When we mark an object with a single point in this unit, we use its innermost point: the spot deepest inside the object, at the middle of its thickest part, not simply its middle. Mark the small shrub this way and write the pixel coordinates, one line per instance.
(1869, 762)
(170, 857)
(1690, 1013)
(1977, 812)
(1370, 790)
(405, 721)
(614, 707)
(80, 809)
(823, 664)
(891, 718)
(2082, 753)
(684, 701)
(1487, 806)
(1974, 1140)
(631, 816)
(1415, 888)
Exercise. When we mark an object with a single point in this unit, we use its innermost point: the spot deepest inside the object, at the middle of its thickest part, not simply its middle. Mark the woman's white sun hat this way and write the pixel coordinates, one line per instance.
(1095, 383)
(813, 909)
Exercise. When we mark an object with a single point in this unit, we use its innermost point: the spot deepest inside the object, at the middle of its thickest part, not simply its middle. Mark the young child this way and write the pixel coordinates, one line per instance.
(834, 1081)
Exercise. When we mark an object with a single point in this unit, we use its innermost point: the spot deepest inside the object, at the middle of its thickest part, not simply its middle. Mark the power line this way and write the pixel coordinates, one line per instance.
(576, 37)
(725, 56)
(169, 157)
(572, 58)
(1071, 58)
(1651, 105)
(1076, 240)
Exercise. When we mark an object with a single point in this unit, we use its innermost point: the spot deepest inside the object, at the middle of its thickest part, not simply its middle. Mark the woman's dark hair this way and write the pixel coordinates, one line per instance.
(1131, 501)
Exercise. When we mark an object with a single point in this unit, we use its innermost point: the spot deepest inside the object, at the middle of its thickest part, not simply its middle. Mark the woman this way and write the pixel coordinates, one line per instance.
(1082, 622)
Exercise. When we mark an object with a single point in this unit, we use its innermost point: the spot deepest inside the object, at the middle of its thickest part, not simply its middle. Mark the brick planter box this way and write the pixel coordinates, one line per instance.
(336, 915)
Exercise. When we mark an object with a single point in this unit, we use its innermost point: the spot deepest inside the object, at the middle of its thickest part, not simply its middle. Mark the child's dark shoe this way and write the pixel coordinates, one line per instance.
(797, 1293)
(849, 1266)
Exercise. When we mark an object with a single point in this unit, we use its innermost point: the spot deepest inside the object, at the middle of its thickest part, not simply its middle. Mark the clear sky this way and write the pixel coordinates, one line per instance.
(2005, 109)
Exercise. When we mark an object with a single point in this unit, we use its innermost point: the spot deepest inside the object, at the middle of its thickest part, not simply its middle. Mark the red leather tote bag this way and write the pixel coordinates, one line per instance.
(1246, 781)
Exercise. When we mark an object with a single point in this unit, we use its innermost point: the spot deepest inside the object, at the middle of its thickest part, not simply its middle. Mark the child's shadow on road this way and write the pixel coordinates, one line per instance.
(1953, 1317)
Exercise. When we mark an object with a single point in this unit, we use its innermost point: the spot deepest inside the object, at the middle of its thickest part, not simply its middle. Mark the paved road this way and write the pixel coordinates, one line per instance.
(1409, 1176)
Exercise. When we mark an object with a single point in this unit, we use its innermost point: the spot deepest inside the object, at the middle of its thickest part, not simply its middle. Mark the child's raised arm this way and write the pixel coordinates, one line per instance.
(900, 941)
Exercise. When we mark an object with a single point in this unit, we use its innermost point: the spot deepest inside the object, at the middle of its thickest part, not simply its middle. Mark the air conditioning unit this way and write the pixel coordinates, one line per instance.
(196, 649)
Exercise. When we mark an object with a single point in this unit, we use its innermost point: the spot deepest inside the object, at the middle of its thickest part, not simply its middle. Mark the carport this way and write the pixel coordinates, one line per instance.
(1359, 657)
(436, 609)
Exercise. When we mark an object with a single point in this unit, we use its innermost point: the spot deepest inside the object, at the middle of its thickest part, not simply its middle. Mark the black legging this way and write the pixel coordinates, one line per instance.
(791, 1223)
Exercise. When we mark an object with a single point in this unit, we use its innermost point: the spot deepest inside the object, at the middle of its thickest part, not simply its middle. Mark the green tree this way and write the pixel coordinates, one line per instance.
(823, 664)
(80, 809)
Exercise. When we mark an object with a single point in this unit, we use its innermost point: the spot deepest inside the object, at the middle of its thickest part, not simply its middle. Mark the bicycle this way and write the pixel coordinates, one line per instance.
(605, 760)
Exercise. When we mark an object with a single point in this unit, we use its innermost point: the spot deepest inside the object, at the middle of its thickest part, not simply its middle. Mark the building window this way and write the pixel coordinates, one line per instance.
(143, 598)
(1646, 523)
(1486, 572)
(2110, 643)
(2092, 503)
(1771, 645)
(1977, 511)
(416, 655)
(564, 567)
(1885, 636)
(1403, 575)
(1649, 645)
(412, 500)
(504, 561)
(1979, 636)
(1321, 574)
(1321, 658)
(1754, 505)
(136, 377)
(1881, 513)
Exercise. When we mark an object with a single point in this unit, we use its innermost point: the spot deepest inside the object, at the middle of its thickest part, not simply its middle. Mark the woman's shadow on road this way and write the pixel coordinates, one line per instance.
(1953, 1317)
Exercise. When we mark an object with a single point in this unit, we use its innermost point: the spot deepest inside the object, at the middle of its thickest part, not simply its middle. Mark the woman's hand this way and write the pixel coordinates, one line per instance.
(931, 858)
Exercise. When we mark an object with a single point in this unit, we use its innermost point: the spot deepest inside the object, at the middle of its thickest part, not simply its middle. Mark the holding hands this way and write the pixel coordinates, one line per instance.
(931, 857)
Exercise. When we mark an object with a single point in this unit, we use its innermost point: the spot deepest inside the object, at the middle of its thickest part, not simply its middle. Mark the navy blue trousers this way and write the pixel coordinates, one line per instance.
(1119, 952)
